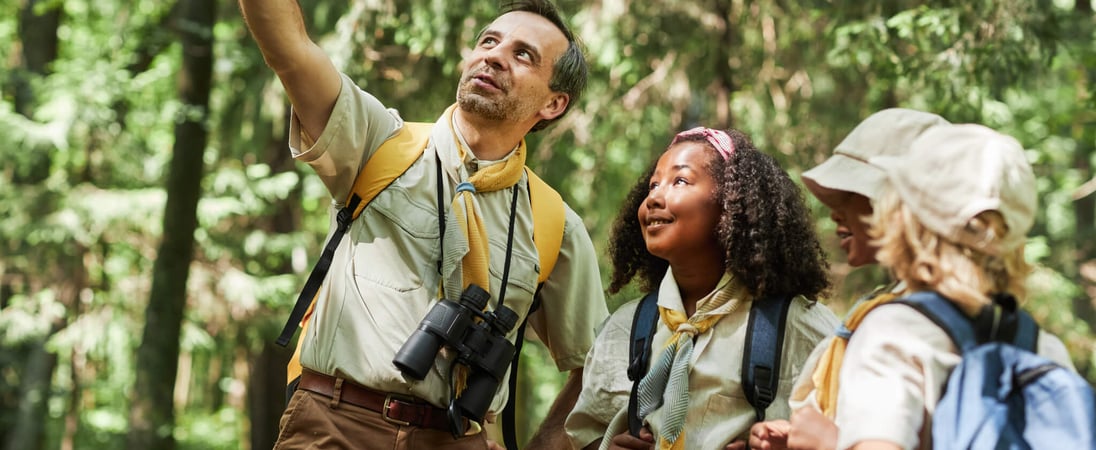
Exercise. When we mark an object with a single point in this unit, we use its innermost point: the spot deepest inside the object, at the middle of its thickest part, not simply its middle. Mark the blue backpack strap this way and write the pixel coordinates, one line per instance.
(961, 328)
(644, 323)
(945, 315)
(1027, 334)
(761, 358)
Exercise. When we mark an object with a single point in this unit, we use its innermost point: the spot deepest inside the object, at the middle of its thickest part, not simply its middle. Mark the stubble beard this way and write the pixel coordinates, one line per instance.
(500, 108)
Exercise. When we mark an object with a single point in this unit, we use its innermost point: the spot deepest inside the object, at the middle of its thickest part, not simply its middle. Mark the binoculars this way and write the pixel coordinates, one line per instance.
(479, 339)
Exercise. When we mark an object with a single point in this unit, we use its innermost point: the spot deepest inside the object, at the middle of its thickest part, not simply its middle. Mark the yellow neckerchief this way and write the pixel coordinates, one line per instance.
(474, 265)
(826, 373)
(726, 298)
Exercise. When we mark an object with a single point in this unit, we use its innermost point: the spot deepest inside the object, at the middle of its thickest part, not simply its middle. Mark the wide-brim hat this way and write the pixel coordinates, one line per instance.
(887, 132)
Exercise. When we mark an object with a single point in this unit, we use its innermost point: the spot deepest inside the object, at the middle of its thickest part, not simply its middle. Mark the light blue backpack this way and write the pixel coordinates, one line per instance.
(1002, 395)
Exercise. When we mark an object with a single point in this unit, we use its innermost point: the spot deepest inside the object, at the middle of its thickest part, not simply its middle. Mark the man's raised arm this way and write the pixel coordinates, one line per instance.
(309, 77)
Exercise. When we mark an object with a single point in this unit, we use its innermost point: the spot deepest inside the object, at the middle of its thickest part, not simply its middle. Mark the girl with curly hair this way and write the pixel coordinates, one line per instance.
(713, 226)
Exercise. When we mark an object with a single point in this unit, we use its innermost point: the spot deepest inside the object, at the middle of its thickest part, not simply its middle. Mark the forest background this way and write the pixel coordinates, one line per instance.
(154, 231)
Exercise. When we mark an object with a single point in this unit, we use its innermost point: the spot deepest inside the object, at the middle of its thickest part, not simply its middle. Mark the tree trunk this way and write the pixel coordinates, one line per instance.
(36, 377)
(37, 374)
(38, 34)
(725, 78)
(152, 415)
(1084, 208)
(266, 387)
(26, 406)
(266, 395)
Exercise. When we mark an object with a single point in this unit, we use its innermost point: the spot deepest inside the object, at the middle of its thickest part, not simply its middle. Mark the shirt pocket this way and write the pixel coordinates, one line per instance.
(521, 281)
(726, 417)
(396, 245)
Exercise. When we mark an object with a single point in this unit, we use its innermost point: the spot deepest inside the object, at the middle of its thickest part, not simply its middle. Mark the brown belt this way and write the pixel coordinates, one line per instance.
(398, 409)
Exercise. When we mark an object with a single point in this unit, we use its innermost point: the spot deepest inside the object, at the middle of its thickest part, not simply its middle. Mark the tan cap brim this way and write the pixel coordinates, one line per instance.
(841, 173)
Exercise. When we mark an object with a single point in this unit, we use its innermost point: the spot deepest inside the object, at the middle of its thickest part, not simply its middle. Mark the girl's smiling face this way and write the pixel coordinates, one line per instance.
(680, 215)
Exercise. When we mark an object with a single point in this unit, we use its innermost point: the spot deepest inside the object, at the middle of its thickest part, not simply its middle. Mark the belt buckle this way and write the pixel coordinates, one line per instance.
(388, 399)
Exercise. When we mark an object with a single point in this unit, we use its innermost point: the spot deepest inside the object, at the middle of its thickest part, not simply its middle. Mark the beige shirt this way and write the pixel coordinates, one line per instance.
(894, 372)
(719, 411)
(384, 276)
(804, 391)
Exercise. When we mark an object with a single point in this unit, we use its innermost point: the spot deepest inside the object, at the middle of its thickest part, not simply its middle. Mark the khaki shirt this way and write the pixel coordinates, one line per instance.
(718, 409)
(894, 372)
(804, 391)
(384, 276)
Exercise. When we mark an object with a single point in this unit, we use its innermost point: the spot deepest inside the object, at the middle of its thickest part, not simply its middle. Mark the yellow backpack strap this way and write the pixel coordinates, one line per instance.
(549, 216)
(391, 160)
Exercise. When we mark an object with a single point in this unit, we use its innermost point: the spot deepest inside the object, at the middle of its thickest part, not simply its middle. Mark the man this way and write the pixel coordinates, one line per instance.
(524, 72)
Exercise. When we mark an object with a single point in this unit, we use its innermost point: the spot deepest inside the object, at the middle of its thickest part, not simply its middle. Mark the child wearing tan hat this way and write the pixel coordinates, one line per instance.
(953, 221)
(848, 185)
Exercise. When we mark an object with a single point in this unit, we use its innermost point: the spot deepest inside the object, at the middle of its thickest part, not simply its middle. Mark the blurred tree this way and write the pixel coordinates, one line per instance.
(152, 414)
(25, 411)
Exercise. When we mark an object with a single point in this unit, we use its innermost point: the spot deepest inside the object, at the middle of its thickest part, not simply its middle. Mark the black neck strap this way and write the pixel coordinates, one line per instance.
(509, 233)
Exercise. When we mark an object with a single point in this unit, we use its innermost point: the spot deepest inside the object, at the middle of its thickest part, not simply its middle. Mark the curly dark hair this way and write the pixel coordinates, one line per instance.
(766, 229)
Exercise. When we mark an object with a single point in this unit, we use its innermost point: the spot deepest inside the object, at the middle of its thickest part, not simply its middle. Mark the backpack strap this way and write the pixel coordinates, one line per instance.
(764, 344)
(549, 218)
(760, 359)
(963, 331)
(390, 161)
(644, 323)
(509, 412)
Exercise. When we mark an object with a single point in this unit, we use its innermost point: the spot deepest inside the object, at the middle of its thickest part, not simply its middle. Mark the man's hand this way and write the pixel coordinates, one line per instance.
(645, 441)
(770, 435)
(492, 445)
(551, 434)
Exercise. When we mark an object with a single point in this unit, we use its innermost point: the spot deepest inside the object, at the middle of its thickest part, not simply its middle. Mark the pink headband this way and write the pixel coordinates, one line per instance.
(718, 138)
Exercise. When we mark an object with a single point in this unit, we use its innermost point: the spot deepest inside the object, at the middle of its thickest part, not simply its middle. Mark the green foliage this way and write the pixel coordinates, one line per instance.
(200, 430)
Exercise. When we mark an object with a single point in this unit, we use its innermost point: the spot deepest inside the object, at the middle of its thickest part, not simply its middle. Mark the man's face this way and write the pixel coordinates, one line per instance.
(507, 73)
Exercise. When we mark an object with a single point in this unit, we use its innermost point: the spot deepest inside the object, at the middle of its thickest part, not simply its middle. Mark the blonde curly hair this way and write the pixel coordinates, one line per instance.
(966, 272)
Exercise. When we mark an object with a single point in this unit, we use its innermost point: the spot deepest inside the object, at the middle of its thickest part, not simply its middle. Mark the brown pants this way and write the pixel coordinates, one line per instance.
(314, 422)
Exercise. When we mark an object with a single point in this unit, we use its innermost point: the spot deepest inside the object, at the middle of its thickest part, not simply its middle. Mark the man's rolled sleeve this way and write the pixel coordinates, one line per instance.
(359, 123)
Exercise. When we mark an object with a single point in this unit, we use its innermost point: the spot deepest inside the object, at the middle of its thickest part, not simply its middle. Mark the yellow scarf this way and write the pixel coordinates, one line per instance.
(475, 263)
(828, 370)
(666, 386)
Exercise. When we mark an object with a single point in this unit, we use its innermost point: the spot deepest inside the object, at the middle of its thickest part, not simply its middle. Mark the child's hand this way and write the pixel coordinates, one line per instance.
(770, 435)
(812, 430)
(645, 441)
